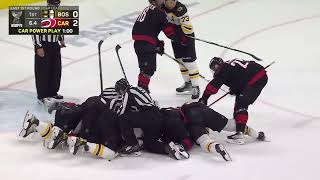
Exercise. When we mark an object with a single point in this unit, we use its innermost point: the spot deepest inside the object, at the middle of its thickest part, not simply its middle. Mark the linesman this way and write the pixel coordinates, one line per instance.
(48, 62)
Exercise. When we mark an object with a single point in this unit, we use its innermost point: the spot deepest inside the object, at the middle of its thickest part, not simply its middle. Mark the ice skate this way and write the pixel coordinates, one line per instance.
(131, 150)
(177, 151)
(222, 151)
(185, 89)
(57, 96)
(30, 123)
(261, 136)
(77, 143)
(58, 137)
(48, 104)
(237, 138)
(195, 92)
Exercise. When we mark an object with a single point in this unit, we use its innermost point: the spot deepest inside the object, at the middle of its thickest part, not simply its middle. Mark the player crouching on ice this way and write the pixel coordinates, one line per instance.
(246, 79)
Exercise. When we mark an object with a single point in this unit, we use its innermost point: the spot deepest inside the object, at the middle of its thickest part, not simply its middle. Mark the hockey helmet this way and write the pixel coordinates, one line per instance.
(53, 2)
(170, 4)
(156, 2)
(121, 85)
(215, 61)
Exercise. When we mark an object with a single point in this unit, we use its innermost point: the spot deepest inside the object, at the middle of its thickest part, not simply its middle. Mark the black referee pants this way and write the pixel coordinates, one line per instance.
(48, 70)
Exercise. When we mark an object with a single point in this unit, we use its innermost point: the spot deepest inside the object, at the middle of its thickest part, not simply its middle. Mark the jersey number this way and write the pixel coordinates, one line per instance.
(143, 15)
(185, 19)
(242, 64)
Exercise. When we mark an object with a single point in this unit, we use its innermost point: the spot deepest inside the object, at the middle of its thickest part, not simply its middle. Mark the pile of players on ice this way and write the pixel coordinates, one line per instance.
(104, 125)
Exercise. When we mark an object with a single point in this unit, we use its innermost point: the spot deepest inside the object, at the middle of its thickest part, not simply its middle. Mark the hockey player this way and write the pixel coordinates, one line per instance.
(145, 33)
(138, 110)
(175, 140)
(197, 117)
(107, 141)
(246, 79)
(177, 14)
(98, 131)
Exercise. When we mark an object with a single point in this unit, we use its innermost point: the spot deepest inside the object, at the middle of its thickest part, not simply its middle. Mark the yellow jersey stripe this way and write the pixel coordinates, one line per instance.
(96, 149)
(101, 151)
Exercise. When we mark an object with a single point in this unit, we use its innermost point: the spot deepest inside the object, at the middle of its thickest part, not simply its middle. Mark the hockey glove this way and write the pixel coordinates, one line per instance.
(203, 101)
(160, 48)
(231, 92)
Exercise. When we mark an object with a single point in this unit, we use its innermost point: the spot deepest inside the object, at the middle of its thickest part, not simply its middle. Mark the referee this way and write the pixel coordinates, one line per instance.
(48, 62)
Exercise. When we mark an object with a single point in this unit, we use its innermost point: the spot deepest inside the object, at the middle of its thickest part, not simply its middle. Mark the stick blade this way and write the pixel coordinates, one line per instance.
(100, 44)
(118, 47)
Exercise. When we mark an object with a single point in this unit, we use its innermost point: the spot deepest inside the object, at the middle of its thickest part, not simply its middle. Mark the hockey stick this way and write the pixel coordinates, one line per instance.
(229, 91)
(118, 47)
(99, 54)
(100, 68)
(176, 60)
(209, 42)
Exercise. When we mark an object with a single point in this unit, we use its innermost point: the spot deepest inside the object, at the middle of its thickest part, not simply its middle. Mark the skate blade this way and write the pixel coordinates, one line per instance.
(135, 154)
(113, 157)
(235, 141)
(22, 133)
(227, 156)
(26, 118)
(223, 152)
(265, 140)
(185, 155)
(25, 124)
(184, 93)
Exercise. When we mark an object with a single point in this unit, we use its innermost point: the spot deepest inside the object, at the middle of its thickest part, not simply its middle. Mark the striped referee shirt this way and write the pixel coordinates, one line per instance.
(39, 38)
(111, 98)
(136, 99)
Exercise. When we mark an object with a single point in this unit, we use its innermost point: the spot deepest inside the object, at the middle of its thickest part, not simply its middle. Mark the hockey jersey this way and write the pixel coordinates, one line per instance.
(236, 74)
(180, 17)
(150, 23)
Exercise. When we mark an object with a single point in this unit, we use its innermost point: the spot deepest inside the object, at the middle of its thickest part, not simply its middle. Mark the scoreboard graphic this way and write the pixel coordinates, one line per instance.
(26, 20)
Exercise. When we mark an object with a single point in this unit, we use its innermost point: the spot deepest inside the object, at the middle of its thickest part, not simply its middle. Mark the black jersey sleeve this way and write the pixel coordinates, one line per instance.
(220, 77)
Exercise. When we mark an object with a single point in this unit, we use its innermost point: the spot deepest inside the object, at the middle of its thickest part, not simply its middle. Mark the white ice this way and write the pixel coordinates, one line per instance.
(285, 31)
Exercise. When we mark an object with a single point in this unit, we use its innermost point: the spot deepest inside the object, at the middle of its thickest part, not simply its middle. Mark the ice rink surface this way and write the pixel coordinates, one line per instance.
(285, 31)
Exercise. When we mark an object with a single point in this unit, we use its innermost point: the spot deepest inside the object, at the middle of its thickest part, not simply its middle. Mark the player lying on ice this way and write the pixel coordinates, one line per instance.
(99, 132)
(93, 120)
(197, 117)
